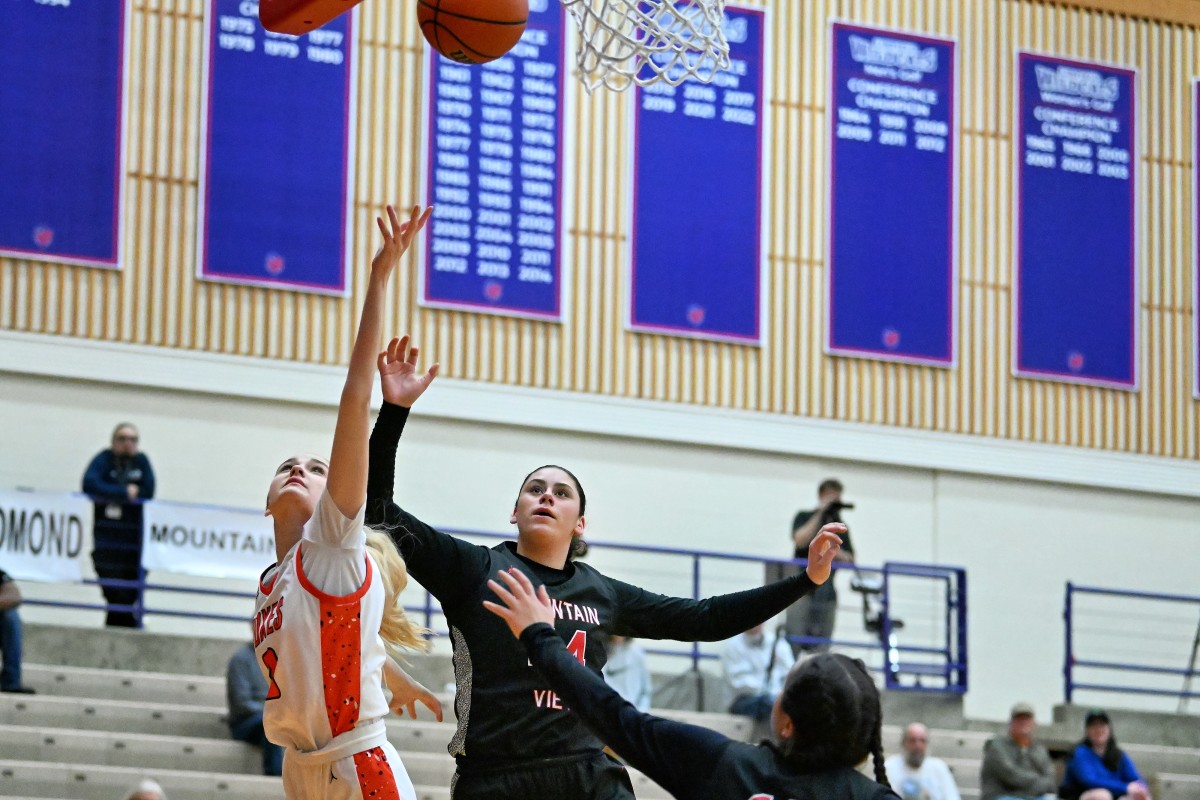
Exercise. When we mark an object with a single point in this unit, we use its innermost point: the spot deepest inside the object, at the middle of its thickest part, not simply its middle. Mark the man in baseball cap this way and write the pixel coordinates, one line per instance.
(1014, 766)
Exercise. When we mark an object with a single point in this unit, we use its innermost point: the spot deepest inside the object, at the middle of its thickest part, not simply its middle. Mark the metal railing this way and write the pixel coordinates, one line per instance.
(1143, 636)
(924, 651)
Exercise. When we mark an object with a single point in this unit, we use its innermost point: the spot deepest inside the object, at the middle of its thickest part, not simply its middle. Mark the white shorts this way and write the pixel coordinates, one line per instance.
(374, 774)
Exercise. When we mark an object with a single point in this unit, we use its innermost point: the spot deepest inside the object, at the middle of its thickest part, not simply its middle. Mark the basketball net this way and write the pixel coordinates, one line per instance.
(627, 42)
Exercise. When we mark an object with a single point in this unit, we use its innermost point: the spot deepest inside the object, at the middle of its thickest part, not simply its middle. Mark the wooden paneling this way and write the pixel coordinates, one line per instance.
(156, 299)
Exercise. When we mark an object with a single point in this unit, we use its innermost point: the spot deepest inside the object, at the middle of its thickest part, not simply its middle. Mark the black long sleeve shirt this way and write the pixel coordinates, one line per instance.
(506, 711)
(686, 760)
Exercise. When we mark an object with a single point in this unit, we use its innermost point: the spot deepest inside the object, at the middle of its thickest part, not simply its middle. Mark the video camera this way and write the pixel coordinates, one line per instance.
(833, 511)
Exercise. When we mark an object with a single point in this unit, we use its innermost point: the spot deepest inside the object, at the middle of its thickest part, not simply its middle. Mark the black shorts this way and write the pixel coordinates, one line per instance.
(587, 777)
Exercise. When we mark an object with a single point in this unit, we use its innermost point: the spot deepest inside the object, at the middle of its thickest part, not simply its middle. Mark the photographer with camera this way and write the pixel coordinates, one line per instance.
(814, 614)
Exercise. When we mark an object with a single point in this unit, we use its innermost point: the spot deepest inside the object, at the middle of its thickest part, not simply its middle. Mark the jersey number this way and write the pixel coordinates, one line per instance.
(271, 661)
(578, 645)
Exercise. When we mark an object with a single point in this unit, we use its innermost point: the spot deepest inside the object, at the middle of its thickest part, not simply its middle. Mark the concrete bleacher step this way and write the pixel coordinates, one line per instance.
(1173, 786)
(44, 779)
(114, 715)
(110, 684)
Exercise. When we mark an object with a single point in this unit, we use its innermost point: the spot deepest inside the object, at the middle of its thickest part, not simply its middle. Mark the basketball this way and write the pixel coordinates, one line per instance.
(472, 31)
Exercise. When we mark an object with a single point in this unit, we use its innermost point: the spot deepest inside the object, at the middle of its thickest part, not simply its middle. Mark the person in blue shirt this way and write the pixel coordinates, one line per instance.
(118, 480)
(1098, 769)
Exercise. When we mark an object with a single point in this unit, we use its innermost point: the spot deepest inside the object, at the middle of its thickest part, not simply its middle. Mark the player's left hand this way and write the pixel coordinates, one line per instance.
(523, 606)
(406, 693)
(823, 550)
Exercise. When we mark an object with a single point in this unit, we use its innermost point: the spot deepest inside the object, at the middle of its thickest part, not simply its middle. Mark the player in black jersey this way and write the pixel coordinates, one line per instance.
(827, 720)
(515, 739)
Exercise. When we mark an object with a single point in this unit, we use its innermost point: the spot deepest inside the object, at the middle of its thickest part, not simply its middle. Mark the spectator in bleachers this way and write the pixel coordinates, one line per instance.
(814, 615)
(118, 479)
(10, 637)
(626, 671)
(148, 790)
(755, 667)
(1015, 767)
(1098, 769)
(916, 775)
(245, 693)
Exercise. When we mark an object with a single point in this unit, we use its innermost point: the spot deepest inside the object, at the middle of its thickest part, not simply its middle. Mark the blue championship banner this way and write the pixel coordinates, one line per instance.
(892, 196)
(696, 260)
(1075, 315)
(493, 171)
(60, 130)
(275, 176)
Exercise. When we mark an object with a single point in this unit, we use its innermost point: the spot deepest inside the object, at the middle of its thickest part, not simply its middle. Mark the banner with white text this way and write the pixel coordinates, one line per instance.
(1075, 310)
(44, 536)
(208, 541)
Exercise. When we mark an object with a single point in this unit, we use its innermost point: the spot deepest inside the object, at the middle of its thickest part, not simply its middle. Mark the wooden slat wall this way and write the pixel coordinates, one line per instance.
(157, 301)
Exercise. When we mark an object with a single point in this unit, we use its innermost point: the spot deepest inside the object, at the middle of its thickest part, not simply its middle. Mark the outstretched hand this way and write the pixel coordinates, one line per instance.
(398, 376)
(397, 236)
(522, 605)
(823, 550)
(406, 692)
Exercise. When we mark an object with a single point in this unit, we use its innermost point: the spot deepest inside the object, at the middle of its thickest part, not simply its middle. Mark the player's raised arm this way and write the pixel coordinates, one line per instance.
(347, 486)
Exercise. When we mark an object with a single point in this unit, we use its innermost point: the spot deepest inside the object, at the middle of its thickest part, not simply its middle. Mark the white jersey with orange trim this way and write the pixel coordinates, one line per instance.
(316, 636)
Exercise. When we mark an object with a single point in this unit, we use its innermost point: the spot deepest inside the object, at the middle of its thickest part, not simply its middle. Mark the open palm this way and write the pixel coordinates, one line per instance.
(402, 384)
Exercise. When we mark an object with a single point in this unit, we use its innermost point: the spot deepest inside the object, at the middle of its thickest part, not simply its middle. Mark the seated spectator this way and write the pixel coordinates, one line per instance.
(148, 790)
(1014, 766)
(755, 668)
(626, 671)
(245, 693)
(118, 480)
(914, 774)
(10, 637)
(1098, 769)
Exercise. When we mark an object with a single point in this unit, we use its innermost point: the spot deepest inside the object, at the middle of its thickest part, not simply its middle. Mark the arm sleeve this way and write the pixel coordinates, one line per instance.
(442, 564)
(801, 518)
(1129, 772)
(146, 489)
(1011, 775)
(949, 787)
(679, 757)
(1092, 774)
(94, 482)
(740, 673)
(655, 616)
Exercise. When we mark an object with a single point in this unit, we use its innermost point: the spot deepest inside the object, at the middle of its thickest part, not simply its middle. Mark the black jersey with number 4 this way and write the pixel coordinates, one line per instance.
(690, 762)
(506, 712)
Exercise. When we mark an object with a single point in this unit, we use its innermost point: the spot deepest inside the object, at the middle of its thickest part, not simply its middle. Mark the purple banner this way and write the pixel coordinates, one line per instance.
(892, 196)
(494, 175)
(274, 175)
(60, 131)
(696, 266)
(1075, 159)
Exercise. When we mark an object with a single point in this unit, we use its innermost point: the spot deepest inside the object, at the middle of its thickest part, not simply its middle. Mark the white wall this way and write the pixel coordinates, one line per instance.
(1019, 540)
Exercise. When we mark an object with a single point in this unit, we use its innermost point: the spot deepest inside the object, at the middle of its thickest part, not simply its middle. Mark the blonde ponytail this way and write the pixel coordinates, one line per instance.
(396, 629)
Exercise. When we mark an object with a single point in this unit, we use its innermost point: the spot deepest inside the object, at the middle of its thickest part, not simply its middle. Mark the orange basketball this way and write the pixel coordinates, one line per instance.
(472, 31)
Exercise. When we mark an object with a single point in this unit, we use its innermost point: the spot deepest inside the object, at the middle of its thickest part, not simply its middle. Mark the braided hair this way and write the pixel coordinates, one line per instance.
(836, 716)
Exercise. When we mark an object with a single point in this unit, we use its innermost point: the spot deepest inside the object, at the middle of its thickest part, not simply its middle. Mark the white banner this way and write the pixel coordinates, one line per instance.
(209, 541)
(44, 535)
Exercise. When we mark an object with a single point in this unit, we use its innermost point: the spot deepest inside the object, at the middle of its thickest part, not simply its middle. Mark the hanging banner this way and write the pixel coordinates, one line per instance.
(494, 173)
(44, 536)
(60, 131)
(1075, 309)
(697, 233)
(277, 148)
(893, 128)
(209, 541)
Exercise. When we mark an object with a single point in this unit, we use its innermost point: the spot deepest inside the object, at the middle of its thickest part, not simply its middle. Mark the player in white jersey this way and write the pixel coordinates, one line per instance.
(326, 608)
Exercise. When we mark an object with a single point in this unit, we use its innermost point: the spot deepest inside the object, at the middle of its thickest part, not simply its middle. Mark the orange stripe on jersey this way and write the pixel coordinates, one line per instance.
(375, 777)
(341, 650)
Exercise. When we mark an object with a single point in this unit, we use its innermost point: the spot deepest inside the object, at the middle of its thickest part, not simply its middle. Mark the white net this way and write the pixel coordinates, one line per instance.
(627, 42)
